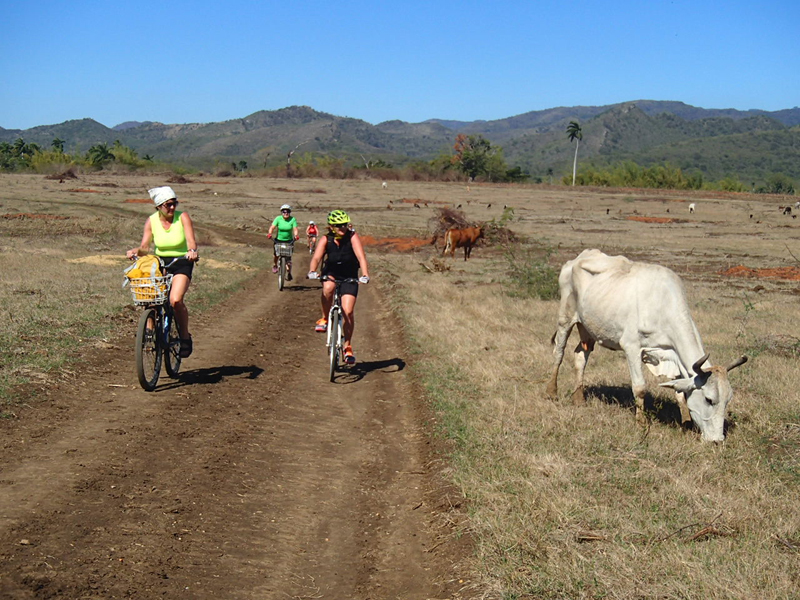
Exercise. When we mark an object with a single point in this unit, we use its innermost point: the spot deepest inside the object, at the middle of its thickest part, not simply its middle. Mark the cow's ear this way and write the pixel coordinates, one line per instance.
(685, 386)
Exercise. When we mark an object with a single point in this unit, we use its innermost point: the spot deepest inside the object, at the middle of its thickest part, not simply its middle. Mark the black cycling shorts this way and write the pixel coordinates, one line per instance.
(182, 266)
(349, 288)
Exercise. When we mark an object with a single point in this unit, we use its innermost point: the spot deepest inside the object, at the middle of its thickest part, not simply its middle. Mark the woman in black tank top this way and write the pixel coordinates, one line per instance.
(343, 255)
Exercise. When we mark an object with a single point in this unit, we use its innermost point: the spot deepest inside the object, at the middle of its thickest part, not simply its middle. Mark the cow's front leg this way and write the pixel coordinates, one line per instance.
(559, 344)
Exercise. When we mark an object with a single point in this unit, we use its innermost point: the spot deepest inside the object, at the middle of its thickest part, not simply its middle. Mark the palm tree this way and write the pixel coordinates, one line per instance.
(574, 132)
(99, 154)
(58, 145)
(20, 147)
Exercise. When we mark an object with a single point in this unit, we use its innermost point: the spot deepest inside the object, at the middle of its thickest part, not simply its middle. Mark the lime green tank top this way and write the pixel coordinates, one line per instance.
(169, 243)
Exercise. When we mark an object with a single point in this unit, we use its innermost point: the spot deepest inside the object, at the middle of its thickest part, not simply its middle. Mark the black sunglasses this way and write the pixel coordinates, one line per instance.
(170, 204)
(286, 212)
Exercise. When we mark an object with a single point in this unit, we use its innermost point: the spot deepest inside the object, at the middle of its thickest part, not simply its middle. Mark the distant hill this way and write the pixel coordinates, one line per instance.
(716, 142)
(129, 125)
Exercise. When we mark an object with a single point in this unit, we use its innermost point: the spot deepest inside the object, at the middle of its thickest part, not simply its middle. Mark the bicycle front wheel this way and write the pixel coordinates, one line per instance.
(334, 325)
(148, 350)
(281, 272)
(172, 346)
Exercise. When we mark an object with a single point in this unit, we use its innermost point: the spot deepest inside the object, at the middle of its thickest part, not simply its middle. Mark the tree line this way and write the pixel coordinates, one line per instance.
(472, 158)
(21, 156)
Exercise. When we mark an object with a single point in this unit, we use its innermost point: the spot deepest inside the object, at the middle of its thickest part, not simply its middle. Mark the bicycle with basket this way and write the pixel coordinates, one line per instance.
(157, 337)
(283, 250)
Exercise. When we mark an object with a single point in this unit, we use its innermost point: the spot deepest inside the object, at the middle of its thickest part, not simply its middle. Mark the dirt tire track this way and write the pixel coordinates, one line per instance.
(250, 477)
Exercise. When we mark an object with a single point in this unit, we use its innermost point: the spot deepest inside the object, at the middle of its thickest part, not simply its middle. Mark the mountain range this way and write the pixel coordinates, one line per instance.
(715, 142)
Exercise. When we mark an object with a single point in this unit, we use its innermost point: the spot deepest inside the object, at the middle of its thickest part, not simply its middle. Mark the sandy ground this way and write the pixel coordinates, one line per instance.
(251, 476)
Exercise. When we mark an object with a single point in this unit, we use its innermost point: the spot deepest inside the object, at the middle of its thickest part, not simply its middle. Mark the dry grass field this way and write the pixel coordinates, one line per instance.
(563, 501)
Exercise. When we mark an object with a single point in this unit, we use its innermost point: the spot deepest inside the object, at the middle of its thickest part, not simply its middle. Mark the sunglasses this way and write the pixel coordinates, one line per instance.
(286, 212)
(170, 204)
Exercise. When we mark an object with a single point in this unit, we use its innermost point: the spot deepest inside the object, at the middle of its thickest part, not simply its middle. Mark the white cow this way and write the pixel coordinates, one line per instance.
(641, 309)
(692, 207)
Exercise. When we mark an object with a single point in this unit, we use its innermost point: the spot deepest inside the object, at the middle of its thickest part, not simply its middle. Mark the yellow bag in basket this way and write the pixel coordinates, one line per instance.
(145, 266)
(140, 275)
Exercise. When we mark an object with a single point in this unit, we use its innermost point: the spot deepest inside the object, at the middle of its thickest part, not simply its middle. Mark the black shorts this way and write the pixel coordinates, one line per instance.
(182, 266)
(348, 288)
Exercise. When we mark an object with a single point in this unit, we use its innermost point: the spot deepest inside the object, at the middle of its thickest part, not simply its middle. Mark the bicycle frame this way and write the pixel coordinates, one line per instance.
(335, 330)
(157, 337)
(284, 251)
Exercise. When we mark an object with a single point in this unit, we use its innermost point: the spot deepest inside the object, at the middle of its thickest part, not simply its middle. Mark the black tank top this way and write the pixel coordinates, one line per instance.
(340, 258)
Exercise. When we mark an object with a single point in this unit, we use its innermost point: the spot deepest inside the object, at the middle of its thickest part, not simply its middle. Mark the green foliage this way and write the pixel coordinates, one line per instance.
(629, 174)
(22, 156)
(477, 158)
(777, 183)
(731, 184)
(530, 275)
(99, 154)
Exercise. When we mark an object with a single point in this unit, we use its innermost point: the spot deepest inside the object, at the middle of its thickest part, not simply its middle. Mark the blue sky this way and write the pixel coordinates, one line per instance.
(177, 61)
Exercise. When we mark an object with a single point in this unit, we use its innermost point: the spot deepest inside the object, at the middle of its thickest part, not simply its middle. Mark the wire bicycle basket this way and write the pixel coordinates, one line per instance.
(283, 250)
(147, 291)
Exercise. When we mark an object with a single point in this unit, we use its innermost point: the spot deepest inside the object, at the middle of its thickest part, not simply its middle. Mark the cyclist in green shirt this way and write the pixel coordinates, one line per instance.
(286, 225)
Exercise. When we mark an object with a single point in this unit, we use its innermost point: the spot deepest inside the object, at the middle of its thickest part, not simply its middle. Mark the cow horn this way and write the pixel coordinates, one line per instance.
(737, 363)
(697, 367)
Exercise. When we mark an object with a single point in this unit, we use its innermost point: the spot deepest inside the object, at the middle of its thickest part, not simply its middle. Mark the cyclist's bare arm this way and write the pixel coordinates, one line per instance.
(316, 259)
(191, 241)
(358, 249)
(144, 246)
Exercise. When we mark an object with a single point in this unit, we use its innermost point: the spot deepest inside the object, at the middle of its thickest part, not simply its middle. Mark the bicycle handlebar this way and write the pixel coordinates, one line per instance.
(346, 280)
(170, 263)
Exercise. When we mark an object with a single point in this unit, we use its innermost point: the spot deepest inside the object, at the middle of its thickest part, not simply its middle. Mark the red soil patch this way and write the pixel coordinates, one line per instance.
(137, 201)
(397, 244)
(790, 273)
(651, 219)
(85, 191)
(33, 216)
(216, 182)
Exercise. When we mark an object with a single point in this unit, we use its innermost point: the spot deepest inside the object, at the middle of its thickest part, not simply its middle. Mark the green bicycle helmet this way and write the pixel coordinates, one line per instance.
(338, 217)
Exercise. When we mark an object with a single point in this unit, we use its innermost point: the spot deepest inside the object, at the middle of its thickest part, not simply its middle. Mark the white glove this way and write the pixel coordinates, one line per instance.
(313, 275)
(363, 279)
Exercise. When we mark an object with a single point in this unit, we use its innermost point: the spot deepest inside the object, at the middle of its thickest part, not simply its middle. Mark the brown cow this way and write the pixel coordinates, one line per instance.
(461, 238)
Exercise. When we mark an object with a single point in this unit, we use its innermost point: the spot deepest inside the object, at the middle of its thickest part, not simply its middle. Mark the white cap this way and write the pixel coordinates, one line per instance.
(311, 222)
(159, 195)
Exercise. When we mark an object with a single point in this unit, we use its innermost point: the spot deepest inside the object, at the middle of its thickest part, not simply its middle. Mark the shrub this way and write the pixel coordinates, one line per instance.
(530, 275)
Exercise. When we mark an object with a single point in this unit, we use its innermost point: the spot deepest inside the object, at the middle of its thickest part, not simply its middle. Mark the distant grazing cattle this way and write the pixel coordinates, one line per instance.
(384, 185)
(641, 309)
(787, 210)
(461, 238)
(692, 206)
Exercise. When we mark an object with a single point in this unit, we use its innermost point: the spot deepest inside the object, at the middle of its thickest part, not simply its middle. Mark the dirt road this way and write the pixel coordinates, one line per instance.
(250, 477)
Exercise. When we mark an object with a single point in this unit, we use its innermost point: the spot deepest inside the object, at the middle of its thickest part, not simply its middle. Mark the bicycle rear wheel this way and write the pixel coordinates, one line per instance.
(281, 272)
(172, 348)
(148, 350)
(334, 325)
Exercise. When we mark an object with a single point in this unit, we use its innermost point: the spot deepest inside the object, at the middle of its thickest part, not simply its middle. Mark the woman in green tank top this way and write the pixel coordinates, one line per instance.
(173, 234)
(286, 226)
